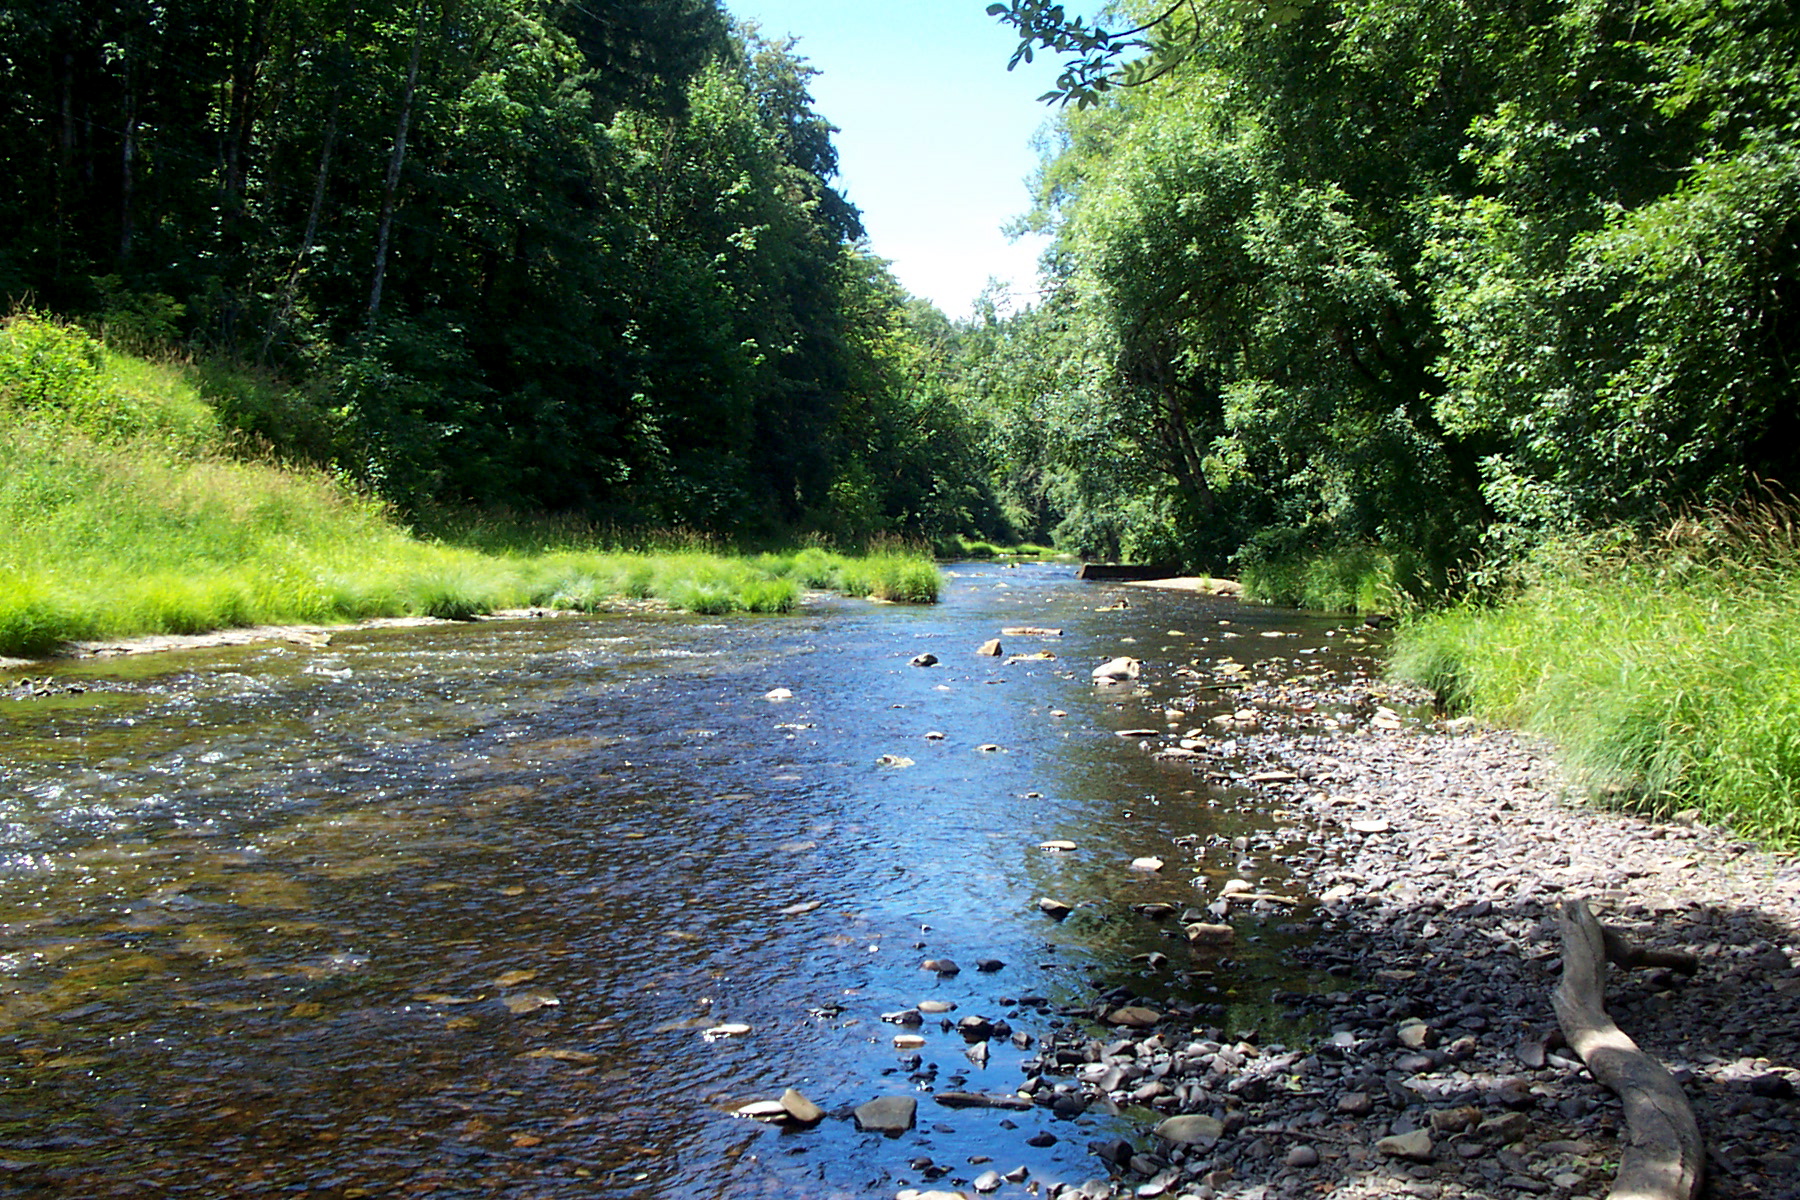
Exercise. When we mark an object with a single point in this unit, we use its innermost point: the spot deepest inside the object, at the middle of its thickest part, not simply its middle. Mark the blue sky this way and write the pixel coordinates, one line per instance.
(935, 132)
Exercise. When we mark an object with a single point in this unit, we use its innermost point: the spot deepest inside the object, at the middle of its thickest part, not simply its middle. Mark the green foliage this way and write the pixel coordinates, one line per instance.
(1666, 669)
(1428, 278)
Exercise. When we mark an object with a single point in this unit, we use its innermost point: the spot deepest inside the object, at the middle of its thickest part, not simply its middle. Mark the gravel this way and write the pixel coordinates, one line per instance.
(1439, 1070)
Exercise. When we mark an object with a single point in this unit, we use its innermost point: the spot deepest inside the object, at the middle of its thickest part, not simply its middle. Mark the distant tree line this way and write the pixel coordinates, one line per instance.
(562, 254)
(1449, 277)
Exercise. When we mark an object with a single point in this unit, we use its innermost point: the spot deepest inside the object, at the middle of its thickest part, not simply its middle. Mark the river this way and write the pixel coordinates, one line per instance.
(461, 911)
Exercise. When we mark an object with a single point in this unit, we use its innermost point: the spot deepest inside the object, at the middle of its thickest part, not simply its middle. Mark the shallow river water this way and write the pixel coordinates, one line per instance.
(453, 911)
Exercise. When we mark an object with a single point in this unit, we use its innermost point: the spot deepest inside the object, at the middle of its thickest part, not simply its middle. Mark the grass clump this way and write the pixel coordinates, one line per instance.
(1666, 670)
(1354, 578)
(125, 509)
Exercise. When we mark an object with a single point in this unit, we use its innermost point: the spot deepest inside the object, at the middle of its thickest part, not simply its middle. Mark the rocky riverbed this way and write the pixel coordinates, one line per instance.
(1430, 858)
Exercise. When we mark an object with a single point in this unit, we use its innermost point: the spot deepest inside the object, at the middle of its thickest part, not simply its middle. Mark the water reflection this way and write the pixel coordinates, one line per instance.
(452, 910)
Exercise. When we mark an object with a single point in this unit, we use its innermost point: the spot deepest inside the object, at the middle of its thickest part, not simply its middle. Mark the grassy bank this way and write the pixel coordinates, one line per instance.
(1667, 671)
(123, 511)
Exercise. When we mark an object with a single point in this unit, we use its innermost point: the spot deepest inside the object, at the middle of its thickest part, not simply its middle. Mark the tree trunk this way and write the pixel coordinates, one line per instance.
(396, 160)
(285, 304)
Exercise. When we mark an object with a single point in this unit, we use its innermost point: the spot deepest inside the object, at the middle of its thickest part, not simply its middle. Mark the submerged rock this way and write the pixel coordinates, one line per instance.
(890, 1115)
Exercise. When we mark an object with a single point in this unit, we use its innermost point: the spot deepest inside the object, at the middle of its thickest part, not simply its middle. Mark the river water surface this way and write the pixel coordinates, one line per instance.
(458, 911)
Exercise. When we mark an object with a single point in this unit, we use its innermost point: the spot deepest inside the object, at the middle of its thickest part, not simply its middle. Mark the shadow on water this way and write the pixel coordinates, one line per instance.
(461, 911)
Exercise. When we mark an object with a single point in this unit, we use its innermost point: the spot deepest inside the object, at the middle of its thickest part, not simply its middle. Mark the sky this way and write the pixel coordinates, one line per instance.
(935, 134)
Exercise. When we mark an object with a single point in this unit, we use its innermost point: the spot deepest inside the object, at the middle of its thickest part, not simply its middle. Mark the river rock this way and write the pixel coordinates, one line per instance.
(1203, 933)
(1002, 1100)
(763, 1110)
(942, 966)
(1148, 862)
(1057, 845)
(1053, 908)
(1415, 1146)
(988, 966)
(778, 694)
(1117, 670)
(1301, 1157)
(990, 648)
(925, 660)
(936, 1006)
(800, 1108)
(1191, 1129)
(890, 1115)
(1134, 1017)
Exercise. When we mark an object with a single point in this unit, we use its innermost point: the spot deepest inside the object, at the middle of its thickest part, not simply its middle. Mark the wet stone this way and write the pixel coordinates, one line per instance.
(890, 1115)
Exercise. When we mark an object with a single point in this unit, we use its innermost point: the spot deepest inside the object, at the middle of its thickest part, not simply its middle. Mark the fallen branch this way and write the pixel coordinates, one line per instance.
(1663, 1156)
(1622, 953)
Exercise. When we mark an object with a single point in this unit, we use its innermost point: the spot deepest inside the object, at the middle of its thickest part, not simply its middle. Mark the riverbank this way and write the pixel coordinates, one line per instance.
(1430, 858)
(127, 509)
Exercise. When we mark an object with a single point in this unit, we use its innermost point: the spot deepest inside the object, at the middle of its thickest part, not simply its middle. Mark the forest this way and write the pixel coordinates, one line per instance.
(1404, 289)
(542, 255)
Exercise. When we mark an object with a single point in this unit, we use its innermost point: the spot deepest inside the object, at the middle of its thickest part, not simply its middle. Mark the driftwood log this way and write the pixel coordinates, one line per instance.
(1663, 1156)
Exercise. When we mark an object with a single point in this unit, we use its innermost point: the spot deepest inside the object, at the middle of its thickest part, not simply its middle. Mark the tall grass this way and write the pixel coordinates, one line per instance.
(1355, 578)
(123, 512)
(1667, 670)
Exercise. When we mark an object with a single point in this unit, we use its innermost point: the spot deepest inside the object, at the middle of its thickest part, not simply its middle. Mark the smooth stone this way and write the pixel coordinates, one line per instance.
(778, 694)
(990, 648)
(763, 1110)
(989, 965)
(1191, 1129)
(892, 1115)
(936, 1006)
(1057, 845)
(1147, 863)
(924, 660)
(1054, 908)
(1002, 1100)
(988, 1181)
(1302, 1156)
(800, 1108)
(1415, 1035)
(1415, 1146)
(1206, 934)
(1117, 670)
(1133, 1017)
(908, 1041)
(1355, 1104)
(943, 966)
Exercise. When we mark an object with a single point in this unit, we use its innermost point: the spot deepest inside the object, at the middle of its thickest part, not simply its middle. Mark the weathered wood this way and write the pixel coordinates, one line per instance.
(1622, 953)
(1663, 1156)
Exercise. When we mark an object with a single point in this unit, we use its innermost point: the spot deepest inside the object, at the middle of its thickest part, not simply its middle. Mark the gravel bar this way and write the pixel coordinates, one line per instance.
(1436, 857)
